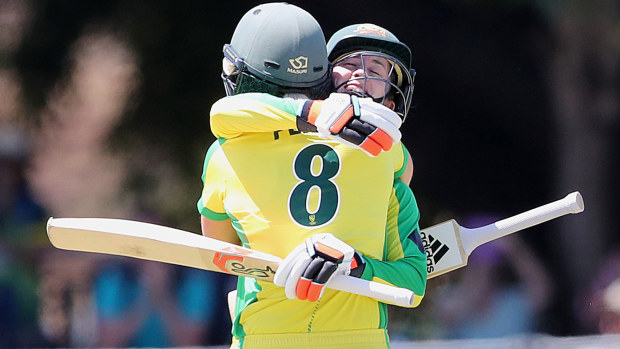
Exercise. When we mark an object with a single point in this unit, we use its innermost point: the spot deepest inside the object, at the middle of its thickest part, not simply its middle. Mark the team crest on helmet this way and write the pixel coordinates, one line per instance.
(371, 29)
(299, 65)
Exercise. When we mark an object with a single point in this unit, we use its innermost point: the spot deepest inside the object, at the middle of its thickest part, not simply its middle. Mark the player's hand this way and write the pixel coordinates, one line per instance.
(313, 263)
(357, 122)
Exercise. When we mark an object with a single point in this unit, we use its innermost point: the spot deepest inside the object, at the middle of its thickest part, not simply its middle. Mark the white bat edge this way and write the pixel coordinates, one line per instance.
(472, 238)
(382, 292)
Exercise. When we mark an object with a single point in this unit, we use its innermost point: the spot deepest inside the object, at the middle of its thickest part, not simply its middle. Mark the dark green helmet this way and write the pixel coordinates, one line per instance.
(277, 48)
(369, 39)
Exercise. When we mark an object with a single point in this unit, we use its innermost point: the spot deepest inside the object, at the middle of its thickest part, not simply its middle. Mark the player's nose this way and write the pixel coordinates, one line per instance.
(358, 72)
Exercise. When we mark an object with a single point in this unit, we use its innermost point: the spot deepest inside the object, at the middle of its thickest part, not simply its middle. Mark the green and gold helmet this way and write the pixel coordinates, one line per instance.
(277, 48)
(372, 40)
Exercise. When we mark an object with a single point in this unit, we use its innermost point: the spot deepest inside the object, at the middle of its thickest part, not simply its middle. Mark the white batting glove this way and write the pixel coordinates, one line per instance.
(313, 263)
(357, 122)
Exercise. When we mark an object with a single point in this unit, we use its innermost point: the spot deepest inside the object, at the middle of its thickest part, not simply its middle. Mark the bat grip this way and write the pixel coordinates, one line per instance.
(572, 203)
(382, 292)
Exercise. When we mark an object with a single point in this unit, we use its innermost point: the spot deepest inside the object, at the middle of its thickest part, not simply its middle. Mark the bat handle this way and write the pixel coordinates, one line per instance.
(572, 203)
(382, 292)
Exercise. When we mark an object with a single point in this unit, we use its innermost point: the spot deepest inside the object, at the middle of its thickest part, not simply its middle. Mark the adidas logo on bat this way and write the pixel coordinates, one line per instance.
(435, 250)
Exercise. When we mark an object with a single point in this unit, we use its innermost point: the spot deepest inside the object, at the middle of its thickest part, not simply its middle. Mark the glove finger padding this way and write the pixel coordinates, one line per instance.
(367, 137)
(362, 127)
(367, 125)
(317, 287)
(371, 149)
(312, 283)
(290, 288)
(356, 140)
(312, 264)
(305, 282)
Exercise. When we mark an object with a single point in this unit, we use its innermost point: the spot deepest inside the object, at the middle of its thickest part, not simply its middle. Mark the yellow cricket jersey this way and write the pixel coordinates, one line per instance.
(281, 187)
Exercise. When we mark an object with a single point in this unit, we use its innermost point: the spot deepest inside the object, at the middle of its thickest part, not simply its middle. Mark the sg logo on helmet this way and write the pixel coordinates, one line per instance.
(371, 29)
(299, 65)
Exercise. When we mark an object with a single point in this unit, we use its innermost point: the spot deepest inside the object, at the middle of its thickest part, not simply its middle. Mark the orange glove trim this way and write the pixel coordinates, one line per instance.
(314, 292)
(314, 111)
(382, 138)
(342, 120)
(302, 288)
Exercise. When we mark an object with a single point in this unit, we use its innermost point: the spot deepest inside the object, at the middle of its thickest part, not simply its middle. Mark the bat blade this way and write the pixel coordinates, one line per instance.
(158, 243)
(163, 244)
(448, 245)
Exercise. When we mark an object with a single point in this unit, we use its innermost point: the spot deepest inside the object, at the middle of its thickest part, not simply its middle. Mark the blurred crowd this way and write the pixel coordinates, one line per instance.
(51, 298)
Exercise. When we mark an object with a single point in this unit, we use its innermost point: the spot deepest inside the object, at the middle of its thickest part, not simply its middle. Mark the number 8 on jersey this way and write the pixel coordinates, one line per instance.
(314, 201)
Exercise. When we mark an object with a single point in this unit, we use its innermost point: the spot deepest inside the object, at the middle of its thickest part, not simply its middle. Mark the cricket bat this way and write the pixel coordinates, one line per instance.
(169, 245)
(448, 245)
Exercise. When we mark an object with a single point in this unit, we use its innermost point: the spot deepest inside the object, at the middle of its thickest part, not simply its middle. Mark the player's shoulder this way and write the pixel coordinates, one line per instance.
(253, 98)
(214, 148)
(233, 102)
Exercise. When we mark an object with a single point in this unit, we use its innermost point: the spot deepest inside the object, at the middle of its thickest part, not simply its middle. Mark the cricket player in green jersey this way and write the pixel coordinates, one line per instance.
(316, 198)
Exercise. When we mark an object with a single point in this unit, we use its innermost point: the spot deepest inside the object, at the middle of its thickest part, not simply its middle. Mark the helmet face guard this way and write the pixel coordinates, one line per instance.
(372, 39)
(398, 87)
(232, 66)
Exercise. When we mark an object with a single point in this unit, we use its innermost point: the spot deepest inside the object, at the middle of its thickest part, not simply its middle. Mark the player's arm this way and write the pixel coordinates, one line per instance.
(403, 163)
(233, 116)
(214, 221)
(408, 172)
(219, 230)
(404, 262)
(357, 122)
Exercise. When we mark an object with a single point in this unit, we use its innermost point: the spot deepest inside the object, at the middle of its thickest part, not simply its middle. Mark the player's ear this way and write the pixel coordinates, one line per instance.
(390, 103)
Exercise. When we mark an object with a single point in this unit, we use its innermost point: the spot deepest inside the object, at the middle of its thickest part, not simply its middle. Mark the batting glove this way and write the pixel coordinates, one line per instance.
(312, 264)
(348, 119)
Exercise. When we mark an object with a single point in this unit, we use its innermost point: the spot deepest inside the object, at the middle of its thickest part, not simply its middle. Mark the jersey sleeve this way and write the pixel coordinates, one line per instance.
(404, 259)
(211, 202)
(253, 112)
(401, 155)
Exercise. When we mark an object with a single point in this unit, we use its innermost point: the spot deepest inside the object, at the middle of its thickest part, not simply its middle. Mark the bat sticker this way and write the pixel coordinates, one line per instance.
(220, 259)
(239, 268)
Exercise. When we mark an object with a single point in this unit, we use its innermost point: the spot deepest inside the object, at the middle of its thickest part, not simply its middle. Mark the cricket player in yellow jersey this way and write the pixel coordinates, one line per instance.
(316, 198)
